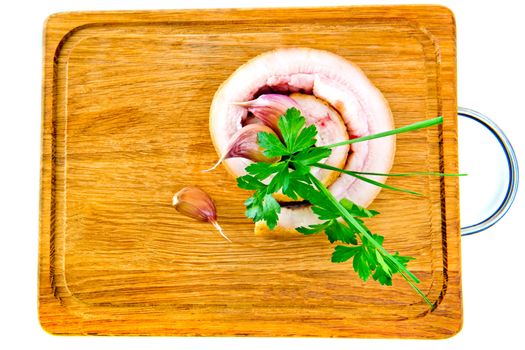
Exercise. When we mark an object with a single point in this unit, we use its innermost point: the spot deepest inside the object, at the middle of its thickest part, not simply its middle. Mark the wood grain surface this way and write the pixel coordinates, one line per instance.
(125, 125)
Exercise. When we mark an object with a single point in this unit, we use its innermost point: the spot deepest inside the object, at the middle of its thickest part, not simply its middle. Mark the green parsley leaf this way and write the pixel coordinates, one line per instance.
(312, 229)
(311, 156)
(343, 253)
(361, 264)
(262, 170)
(379, 239)
(338, 231)
(270, 210)
(403, 259)
(305, 139)
(357, 210)
(324, 213)
(273, 147)
(298, 187)
(334, 230)
(279, 180)
(249, 182)
(261, 207)
(385, 277)
(382, 263)
(290, 125)
(382, 277)
(296, 136)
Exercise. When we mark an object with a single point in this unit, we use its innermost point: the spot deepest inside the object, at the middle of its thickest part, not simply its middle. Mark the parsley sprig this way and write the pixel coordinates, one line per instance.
(342, 221)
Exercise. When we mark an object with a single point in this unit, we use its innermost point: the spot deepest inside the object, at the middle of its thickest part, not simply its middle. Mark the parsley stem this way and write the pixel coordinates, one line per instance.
(411, 127)
(350, 220)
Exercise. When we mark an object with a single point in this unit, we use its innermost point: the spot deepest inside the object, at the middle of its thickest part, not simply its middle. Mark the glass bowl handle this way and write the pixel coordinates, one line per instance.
(512, 162)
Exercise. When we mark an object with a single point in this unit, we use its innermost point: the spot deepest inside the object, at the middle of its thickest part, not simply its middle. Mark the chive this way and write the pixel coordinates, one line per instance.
(363, 178)
(407, 128)
(412, 173)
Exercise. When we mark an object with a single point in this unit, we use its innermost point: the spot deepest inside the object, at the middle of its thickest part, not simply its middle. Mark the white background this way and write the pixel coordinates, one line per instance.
(490, 79)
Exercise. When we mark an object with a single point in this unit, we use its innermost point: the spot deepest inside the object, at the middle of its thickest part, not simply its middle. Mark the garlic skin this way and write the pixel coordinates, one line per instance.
(197, 204)
(268, 108)
(244, 144)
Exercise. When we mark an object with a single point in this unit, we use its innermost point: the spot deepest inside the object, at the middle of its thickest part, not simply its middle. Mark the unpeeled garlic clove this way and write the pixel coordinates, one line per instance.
(197, 204)
(268, 108)
(244, 144)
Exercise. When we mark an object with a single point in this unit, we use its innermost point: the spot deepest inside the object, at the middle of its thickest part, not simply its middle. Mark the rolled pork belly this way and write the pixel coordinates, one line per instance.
(334, 95)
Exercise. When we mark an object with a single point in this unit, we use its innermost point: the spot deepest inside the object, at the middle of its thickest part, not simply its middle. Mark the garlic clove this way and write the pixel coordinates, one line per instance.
(268, 108)
(194, 203)
(244, 144)
(197, 204)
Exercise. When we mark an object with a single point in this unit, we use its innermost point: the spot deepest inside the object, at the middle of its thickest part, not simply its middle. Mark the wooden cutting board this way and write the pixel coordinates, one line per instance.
(125, 125)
